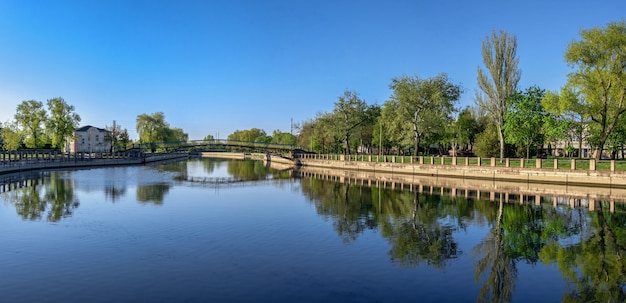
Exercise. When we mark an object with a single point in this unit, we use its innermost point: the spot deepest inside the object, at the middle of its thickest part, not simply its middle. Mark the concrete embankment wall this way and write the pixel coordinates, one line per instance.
(27, 165)
(457, 186)
(609, 179)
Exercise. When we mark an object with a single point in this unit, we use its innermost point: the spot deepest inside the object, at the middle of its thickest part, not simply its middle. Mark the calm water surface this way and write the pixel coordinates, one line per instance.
(208, 230)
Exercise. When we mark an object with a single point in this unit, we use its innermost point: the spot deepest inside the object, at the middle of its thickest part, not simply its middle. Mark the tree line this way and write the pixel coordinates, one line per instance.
(421, 115)
(34, 127)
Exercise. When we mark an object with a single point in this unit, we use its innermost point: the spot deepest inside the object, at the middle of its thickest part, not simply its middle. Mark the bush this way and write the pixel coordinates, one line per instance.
(487, 143)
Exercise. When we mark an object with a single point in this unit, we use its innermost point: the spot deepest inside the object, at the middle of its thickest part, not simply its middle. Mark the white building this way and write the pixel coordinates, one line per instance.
(90, 139)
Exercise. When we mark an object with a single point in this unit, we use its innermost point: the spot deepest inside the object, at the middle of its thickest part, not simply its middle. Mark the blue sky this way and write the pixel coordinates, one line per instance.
(216, 66)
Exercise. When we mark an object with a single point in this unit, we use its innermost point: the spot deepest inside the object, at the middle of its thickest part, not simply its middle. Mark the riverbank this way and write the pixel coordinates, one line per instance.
(463, 170)
(29, 165)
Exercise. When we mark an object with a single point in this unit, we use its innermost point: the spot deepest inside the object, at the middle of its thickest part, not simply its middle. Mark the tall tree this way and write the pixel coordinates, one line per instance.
(499, 51)
(524, 117)
(62, 121)
(31, 116)
(152, 128)
(426, 104)
(600, 62)
(349, 113)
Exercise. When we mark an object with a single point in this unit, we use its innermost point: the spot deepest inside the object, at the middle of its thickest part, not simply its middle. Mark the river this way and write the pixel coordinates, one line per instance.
(213, 230)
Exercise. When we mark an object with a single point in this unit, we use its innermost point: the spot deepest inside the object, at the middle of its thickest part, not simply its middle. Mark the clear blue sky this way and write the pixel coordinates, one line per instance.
(217, 66)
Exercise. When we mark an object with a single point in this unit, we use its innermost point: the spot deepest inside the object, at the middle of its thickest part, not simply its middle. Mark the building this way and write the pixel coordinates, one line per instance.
(90, 139)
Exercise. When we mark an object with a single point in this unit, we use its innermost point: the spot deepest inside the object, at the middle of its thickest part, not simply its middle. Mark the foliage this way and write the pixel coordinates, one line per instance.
(279, 137)
(487, 142)
(154, 129)
(249, 135)
(349, 113)
(599, 59)
(421, 107)
(524, 118)
(31, 116)
(208, 138)
(499, 53)
(565, 117)
(467, 128)
(11, 136)
(62, 122)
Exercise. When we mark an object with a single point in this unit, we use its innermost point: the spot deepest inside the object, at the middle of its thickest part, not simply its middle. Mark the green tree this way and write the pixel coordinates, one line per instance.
(600, 61)
(31, 116)
(524, 117)
(566, 117)
(249, 135)
(124, 139)
(208, 138)
(62, 122)
(279, 137)
(467, 127)
(423, 106)
(349, 113)
(154, 129)
(499, 53)
(487, 142)
(11, 136)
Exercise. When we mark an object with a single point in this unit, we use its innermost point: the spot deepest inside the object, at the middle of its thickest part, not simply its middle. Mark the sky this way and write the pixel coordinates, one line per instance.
(213, 67)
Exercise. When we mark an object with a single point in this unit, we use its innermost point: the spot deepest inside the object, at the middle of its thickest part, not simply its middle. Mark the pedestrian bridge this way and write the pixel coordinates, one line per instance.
(218, 144)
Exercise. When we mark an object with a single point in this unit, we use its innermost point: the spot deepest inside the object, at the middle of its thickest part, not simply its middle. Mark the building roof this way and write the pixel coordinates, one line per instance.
(86, 127)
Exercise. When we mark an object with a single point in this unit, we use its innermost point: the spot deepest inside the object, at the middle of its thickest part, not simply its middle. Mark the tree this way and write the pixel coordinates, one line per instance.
(486, 145)
(208, 138)
(348, 114)
(153, 129)
(600, 62)
(279, 137)
(566, 117)
(124, 139)
(62, 122)
(499, 53)
(30, 116)
(524, 117)
(249, 135)
(467, 127)
(113, 135)
(11, 136)
(424, 105)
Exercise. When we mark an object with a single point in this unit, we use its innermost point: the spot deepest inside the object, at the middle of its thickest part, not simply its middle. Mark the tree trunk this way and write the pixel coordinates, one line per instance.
(501, 135)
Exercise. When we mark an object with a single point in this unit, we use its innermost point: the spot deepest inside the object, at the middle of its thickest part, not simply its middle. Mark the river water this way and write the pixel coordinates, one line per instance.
(212, 230)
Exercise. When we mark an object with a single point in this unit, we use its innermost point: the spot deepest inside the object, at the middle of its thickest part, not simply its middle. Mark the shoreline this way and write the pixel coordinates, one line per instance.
(27, 165)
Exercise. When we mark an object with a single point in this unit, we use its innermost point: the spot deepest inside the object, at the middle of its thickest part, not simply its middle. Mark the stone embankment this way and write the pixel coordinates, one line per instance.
(539, 175)
(28, 164)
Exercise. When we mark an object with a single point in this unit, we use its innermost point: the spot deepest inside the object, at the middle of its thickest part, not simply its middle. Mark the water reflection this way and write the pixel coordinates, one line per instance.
(423, 223)
(36, 194)
(422, 228)
(153, 193)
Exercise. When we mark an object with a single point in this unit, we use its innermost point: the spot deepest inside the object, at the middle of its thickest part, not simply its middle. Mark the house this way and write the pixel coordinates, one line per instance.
(90, 139)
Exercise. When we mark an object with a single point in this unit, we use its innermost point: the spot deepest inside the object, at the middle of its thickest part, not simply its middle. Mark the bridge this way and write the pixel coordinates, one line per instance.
(216, 145)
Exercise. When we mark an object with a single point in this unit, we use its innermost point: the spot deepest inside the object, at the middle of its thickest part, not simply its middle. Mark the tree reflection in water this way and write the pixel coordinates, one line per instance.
(152, 193)
(421, 228)
(595, 265)
(53, 194)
